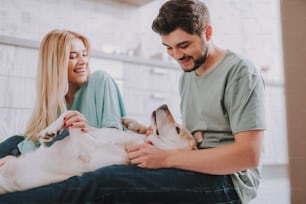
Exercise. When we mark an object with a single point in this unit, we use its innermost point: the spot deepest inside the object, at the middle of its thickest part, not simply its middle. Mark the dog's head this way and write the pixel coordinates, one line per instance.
(167, 133)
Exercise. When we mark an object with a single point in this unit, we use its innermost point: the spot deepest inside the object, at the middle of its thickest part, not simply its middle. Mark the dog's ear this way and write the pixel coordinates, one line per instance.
(192, 143)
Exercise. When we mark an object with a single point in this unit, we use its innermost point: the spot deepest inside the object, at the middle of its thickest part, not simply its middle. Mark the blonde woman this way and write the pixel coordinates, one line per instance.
(64, 82)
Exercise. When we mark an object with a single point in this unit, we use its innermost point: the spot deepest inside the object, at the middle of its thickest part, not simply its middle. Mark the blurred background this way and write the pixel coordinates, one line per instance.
(125, 46)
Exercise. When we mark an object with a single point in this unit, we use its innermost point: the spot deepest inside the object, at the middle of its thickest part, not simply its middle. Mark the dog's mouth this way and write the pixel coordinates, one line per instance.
(154, 123)
(162, 108)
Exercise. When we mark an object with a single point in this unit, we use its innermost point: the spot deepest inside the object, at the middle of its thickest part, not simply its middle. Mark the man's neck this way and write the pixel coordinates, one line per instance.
(214, 56)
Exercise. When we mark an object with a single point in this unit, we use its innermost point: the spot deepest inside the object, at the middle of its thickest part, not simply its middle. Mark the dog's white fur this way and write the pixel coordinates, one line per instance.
(82, 152)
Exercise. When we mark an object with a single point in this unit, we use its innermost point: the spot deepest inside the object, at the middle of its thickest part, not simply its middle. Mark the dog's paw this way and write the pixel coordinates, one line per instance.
(46, 136)
(49, 133)
(134, 126)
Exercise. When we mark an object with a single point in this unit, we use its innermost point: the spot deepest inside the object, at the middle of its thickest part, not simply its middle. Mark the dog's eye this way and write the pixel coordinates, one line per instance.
(178, 130)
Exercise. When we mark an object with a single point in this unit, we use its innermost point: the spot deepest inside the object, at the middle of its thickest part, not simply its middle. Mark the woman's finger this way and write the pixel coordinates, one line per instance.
(76, 121)
(79, 124)
(71, 114)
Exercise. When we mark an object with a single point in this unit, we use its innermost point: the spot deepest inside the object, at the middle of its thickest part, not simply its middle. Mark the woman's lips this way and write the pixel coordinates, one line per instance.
(79, 70)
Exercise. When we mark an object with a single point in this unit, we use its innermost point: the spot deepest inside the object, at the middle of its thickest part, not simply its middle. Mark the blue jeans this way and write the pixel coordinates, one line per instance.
(9, 146)
(130, 184)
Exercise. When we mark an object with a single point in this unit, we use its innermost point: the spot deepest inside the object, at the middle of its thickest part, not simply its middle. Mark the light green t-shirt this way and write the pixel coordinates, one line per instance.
(99, 100)
(227, 100)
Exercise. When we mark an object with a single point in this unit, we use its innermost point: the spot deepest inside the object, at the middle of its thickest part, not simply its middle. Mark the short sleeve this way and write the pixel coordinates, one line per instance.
(245, 101)
(109, 102)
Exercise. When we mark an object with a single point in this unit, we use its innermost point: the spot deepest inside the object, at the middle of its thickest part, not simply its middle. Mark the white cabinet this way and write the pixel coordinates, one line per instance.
(18, 67)
(146, 87)
(112, 67)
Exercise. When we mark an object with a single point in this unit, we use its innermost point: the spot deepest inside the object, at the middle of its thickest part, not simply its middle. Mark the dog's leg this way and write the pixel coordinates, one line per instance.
(48, 134)
(134, 126)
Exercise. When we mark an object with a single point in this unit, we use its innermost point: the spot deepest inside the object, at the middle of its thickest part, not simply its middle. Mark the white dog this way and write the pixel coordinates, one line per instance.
(82, 152)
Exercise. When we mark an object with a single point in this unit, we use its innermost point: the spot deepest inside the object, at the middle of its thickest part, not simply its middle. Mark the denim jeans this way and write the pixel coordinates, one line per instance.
(9, 146)
(130, 184)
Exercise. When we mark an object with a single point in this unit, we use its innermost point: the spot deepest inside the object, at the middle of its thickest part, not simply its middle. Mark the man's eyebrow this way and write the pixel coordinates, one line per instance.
(177, 45)
(182, 43)
(165, 44)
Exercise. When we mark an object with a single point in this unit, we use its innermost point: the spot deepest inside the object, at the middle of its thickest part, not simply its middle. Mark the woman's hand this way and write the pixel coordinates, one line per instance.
(147, 156)
(77, 120)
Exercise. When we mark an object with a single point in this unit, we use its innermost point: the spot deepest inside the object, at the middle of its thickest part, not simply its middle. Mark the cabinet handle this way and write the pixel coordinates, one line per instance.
(158, 71)
(158, 96)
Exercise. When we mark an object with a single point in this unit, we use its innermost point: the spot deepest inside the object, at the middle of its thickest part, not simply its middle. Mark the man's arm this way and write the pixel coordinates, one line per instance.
(243, 154)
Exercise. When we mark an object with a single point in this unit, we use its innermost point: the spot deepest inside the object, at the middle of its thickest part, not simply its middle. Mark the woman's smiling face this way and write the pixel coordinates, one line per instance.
(78, 71)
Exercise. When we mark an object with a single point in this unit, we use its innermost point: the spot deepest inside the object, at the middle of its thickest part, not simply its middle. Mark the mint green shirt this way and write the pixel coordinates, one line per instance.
(99, 100)
(227, 100)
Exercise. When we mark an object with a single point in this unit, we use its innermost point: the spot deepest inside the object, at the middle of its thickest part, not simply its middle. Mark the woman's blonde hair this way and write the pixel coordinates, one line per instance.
(52, 80)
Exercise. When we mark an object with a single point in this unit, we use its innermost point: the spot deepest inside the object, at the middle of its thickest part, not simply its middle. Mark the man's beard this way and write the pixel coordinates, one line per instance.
(198, 62)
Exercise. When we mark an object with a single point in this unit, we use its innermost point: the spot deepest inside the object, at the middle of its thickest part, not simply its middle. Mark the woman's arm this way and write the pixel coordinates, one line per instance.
(108, 102)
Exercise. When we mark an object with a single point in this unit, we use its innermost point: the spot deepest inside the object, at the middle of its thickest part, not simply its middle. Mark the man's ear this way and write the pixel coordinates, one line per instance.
(208, 32)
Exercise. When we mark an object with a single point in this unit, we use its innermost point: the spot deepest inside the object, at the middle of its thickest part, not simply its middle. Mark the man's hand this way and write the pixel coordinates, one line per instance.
(147, 156)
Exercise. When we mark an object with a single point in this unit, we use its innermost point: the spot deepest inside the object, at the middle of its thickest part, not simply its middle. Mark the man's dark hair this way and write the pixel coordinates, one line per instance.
(192, 16)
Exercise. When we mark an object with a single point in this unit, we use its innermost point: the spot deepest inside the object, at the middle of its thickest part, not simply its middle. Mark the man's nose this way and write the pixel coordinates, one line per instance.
(177, 54)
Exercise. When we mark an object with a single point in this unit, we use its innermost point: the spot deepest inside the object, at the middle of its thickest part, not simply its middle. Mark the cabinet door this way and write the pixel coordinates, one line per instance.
(18, 68)
(112, 67)
(18, 61)
(147, 87)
